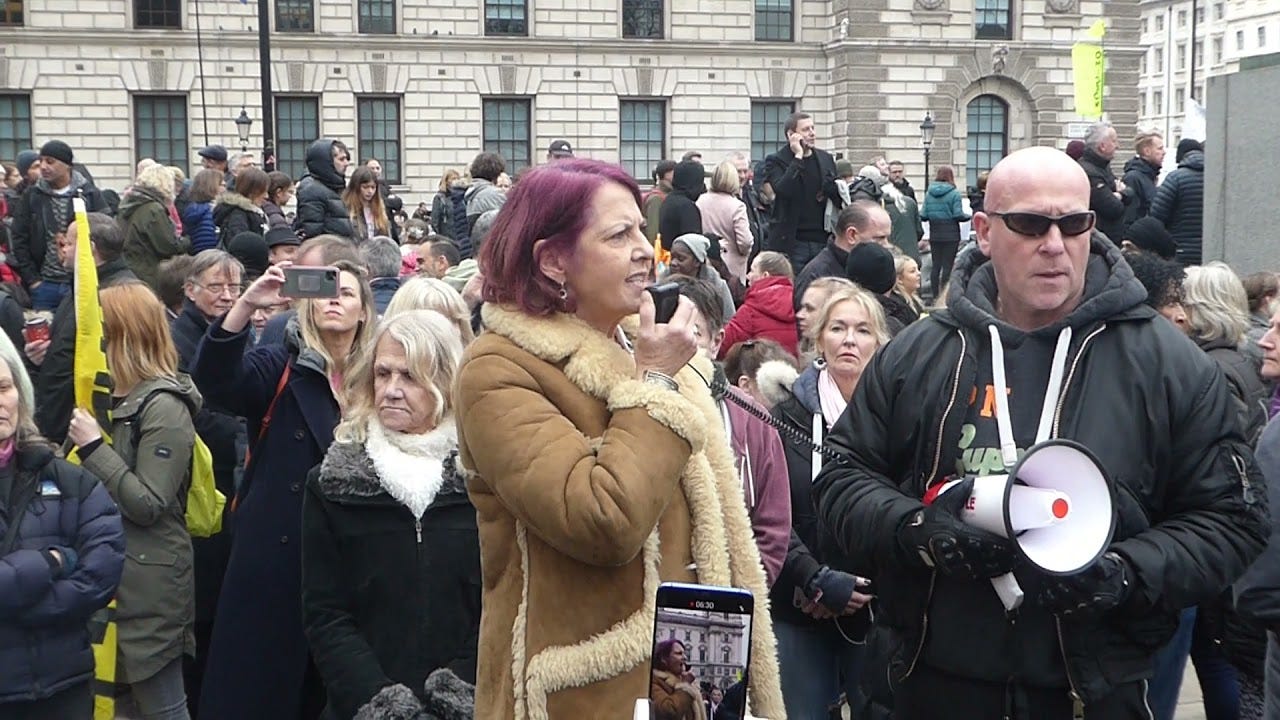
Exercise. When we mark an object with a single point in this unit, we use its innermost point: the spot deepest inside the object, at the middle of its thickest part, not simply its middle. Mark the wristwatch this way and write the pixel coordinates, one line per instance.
(653, 377)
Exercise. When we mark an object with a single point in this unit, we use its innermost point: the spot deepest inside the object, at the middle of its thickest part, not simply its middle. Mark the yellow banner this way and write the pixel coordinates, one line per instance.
(92, 384)
(1088, 65)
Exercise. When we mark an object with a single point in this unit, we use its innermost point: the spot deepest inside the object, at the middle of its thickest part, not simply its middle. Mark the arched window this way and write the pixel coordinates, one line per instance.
(988, 138)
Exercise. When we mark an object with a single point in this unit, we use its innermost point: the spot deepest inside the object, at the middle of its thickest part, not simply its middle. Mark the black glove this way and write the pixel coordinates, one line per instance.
(64, 564)
(1099, 588)
(936, 537)
(836, 589)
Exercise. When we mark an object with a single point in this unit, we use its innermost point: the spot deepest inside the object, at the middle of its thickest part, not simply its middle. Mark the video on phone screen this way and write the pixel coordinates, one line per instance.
(699, 657)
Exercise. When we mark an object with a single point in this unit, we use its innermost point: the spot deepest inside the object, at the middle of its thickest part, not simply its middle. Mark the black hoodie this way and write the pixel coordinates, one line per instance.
(1140, 177)
(320, 208)
(680, 214)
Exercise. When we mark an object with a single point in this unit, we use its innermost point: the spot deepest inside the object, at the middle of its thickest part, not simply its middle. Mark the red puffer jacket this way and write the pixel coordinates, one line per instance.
(766, 313)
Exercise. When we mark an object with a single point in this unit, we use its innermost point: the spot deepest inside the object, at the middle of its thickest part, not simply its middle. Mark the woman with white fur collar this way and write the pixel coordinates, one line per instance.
(390, 555)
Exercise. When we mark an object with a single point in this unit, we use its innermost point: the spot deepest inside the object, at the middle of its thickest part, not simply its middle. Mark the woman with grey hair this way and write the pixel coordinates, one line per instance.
(390, 552)
(61, 557)
(427, 293)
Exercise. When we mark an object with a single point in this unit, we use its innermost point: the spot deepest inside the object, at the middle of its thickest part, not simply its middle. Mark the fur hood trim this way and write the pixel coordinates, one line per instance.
(348, 472)
(723, 546)
(775, 378)
(238, 201)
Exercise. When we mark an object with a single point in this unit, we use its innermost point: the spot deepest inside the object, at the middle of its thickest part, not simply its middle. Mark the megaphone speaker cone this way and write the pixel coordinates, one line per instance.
(1081, 514)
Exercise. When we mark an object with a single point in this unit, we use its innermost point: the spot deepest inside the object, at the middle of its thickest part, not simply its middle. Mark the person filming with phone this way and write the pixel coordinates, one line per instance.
(594, 454)
(288, 393)
(1045, 335)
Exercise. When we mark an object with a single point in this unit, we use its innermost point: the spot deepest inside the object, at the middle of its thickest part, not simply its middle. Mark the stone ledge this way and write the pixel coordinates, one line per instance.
(931, 17)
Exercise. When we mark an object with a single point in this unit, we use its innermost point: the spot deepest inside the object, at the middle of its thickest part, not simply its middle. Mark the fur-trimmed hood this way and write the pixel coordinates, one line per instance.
(348, 473)
(775, 378)
(584, 379)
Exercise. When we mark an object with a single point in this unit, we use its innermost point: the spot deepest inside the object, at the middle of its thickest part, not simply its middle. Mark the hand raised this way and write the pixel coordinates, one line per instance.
(665, 347)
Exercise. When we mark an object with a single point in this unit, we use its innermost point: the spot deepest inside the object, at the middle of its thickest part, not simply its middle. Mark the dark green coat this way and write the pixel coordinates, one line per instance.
(149, 235)
(146, 470)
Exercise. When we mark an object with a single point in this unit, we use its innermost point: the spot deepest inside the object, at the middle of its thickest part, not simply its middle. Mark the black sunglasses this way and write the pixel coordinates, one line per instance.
(1035, 224)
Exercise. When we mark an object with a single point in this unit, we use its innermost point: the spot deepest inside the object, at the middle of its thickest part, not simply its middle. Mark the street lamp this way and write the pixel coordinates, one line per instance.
(242, 129)
(926, 141)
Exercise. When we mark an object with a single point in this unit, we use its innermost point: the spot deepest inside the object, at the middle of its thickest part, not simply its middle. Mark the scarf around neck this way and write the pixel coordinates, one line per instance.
(830, 398)
(411, 467)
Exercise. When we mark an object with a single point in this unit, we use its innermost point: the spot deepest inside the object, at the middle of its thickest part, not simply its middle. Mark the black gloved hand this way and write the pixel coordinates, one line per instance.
(938, 538)
(832, 589)
(1099, 588)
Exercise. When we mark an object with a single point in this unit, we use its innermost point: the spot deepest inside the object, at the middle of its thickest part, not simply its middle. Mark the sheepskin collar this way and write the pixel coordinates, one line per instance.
(350, 474)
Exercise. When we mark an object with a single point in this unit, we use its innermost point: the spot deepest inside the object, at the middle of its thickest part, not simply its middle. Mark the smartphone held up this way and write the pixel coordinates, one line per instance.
(302, 281)
(666, 298)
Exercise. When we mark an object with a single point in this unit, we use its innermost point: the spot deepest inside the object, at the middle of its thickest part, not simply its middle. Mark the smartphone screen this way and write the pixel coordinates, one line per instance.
(310, 282)
(701, 652)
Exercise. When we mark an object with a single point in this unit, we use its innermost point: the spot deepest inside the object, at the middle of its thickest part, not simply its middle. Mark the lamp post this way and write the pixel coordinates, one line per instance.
(243, 123)
(926, 142)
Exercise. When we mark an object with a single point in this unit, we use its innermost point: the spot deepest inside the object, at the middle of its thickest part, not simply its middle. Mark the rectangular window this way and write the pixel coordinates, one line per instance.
(774, 20)
(1144, 26)
(1239, 41)
(1159, 61)
(1157, 99)
(506, 17)
(297, 126)
(161, 14)
(378, 133)
(767, 121)
(642, 135)
(377, 17)
(15, 124)
(1262, 36)
(1160, 23)
(1179, 100)
(993, 20)
(295, 16)
(1219, 11)
(1142, 64)
(1217, 50)
(508, 131)
(1200, 15)
(1199, 53)
(1182, 56)
(1182, 18)
(11, 14)
(642, 19)
(160, 129)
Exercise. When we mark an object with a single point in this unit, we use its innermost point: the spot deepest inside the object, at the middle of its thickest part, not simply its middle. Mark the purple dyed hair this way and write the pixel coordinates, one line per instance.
(549, 203)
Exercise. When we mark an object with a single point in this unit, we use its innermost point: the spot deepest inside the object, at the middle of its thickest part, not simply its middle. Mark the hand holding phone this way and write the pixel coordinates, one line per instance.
(664, 347)
(265, 291)
(666, 298)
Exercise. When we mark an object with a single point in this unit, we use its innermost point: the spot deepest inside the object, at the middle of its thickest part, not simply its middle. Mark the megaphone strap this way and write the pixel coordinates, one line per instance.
(1008, 447)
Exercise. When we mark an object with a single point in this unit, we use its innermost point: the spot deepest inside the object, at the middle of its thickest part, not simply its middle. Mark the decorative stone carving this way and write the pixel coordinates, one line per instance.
(931, 4)
(1063, 6)
(999, 57)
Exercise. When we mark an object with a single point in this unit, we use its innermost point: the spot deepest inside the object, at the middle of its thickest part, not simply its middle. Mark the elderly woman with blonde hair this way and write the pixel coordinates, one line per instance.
(386, 522)
(425, 293)
(150, 235)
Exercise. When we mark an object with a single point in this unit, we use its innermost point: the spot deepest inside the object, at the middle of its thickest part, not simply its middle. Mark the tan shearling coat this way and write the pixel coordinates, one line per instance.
(591, 488)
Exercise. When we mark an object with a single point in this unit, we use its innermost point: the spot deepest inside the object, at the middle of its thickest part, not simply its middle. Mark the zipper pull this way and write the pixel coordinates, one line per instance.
(1077, 706)
(417, 528)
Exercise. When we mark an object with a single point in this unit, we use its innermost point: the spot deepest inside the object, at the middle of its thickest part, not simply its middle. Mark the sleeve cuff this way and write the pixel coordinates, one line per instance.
(665, 406)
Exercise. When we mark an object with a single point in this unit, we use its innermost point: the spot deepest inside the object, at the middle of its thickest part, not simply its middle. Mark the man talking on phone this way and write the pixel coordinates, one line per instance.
(803, 180)
(1041, 296)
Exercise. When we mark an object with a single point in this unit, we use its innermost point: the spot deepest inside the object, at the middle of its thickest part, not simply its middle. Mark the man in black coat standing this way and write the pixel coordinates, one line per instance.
(1140, 175)
(1107, 196)
(803, 179)
(1038, 298)
(1179, 202)
(679, 214)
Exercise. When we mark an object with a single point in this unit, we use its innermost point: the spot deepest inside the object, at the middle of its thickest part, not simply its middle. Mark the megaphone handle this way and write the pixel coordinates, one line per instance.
(1006, 586)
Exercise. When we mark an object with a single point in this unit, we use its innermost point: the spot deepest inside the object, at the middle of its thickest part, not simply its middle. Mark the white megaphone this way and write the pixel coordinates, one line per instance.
(1056, 505)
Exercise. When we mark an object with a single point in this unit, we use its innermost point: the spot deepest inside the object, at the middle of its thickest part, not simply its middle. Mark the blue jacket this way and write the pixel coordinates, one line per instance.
(197, 222)
(44, 648)
(944, 209)
(258, 653)
(384, 288)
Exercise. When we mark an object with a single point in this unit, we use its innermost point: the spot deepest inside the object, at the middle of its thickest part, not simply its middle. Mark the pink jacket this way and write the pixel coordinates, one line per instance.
(766, 486)
(726, 216)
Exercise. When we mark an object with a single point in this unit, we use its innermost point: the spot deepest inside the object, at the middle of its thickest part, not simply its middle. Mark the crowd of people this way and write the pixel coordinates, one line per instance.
(454, 487)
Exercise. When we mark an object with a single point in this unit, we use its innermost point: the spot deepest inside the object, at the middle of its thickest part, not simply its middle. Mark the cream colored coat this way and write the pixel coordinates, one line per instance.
(591, 488)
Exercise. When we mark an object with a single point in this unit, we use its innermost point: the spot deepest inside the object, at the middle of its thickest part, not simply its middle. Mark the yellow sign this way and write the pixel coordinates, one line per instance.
(1088, 65)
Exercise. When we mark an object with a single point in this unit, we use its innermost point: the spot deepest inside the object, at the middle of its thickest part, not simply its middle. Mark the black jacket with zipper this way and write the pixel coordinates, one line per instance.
(387, 598)
(1136, 392)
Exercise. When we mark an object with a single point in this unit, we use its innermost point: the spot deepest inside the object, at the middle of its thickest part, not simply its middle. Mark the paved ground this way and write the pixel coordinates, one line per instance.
(1189, 706)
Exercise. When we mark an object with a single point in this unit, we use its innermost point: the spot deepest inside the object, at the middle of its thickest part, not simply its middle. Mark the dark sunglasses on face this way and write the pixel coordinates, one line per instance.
(1035, 224)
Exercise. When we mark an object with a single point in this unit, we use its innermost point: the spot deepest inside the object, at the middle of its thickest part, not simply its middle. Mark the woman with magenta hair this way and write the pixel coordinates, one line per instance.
(594, 454)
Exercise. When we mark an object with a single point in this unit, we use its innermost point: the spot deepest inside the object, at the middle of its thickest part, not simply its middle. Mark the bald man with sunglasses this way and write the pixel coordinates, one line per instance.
(1040, 295)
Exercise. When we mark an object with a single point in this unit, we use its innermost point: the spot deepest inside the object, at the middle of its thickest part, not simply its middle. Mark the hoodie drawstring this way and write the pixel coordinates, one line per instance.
(1008, 448)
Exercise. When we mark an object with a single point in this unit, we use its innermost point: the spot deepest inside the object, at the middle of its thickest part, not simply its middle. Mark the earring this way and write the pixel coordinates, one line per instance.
(564, 294)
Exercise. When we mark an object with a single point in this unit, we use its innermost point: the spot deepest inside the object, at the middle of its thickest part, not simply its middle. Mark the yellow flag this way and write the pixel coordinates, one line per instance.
(1088, 64)
(92, 384)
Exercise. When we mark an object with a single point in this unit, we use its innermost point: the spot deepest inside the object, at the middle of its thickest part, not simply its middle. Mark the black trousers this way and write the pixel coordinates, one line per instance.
(944, 256)
(930, 695)
(74, 703)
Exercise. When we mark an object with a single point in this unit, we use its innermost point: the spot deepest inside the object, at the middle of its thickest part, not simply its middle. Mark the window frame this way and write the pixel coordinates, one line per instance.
(1239, 41)
(491, 144)
(762, 142)
(642, 170)
(1217, 45)
(7, 13)
(179, 150)
(390, 152)
(1262, 37)
(772, 20)
(15, 141)
(296, 167)
(1157, 99)
(1180, 63)
(522, 31)
(644, 6)
(1007, 10)
(310, 16)
(369, 29)
(175, 10)
(975, 156)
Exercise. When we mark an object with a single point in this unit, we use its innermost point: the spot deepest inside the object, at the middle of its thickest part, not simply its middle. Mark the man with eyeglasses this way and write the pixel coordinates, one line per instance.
(320, 207)
(1040, 296)
(861, 221)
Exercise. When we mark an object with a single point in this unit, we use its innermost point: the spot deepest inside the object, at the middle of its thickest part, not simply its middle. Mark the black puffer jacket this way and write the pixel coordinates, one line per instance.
(1179, 204)
(1102, 198)
(1140, 177)
(320, 208)
(234, 214)
(1147, 403)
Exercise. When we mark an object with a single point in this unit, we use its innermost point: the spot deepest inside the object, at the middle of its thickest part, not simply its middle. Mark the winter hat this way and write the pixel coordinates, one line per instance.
(871, 266)
(697, 244)
(25, 159)
(281, 235)
(1149, 234)
(57, 150)
(844, 168)
(1075, 149)
(216, 153)
(251, 250)
(1186, 145)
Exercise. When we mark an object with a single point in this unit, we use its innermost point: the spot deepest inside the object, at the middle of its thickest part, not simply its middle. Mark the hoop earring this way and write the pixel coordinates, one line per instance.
(564, 294)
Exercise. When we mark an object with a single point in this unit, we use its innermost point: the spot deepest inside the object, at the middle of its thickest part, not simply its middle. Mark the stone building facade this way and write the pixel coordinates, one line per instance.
(425, 84)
